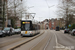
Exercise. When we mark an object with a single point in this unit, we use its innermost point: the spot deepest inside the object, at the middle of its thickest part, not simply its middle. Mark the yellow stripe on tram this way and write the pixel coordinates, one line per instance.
(25, 32)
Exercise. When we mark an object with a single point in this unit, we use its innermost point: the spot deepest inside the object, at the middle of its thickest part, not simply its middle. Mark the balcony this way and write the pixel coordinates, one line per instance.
(0, 24)
(0, 28)
(1, 6)
(0, 3)
(0, 9)
(0, 20)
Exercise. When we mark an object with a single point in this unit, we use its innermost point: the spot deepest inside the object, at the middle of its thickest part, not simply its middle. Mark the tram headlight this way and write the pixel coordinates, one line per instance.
(22, 32)
(31, 32)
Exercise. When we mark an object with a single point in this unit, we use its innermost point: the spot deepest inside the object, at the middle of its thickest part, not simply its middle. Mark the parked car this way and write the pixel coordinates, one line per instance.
(73, 32)
(66, 31)
(2, 34)
(7, 31)
(13, 31)
(17, 31)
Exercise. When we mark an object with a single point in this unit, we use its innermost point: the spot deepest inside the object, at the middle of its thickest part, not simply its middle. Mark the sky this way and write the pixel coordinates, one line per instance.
(41, 8)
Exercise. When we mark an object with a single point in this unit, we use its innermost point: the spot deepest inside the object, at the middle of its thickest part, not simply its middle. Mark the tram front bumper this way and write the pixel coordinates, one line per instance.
(29, 34)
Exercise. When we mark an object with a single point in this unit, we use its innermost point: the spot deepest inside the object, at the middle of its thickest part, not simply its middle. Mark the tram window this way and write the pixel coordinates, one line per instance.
(25, 26)
(34, 27)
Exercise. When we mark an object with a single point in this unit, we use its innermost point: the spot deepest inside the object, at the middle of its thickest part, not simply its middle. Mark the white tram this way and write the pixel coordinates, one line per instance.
(29, 28)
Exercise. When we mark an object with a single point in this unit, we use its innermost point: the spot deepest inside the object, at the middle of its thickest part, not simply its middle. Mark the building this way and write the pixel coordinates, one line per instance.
(56, 22)
(52, 23)
(1, 14)
(44, 24)
(41, 25)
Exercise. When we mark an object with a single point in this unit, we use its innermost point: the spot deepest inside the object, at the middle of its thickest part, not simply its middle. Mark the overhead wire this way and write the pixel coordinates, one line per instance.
(47, 3)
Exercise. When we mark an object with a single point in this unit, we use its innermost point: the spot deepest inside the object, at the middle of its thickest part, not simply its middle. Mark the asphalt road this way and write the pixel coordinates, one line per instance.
(49, 40)
(66, 39)
(39, 43)
(11, 41)
(9, 38)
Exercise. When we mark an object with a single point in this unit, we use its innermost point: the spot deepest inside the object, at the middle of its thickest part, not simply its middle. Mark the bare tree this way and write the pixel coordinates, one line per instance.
(13, 10)
(66, 10)
(13, 6)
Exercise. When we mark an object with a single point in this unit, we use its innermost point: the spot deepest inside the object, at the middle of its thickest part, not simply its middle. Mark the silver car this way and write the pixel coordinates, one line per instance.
(17, 31)
(2, 34)
(73, 32)
(13, 31)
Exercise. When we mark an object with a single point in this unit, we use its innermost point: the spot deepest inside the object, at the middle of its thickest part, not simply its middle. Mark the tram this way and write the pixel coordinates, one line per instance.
(29, 28)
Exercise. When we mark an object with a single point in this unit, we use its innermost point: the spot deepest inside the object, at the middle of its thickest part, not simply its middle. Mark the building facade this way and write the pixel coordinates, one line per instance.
(1, 13)
(56, 22)
(52, 23)
(44, 24)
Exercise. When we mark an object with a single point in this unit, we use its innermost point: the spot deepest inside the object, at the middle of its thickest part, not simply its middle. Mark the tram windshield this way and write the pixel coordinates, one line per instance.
(25, 26)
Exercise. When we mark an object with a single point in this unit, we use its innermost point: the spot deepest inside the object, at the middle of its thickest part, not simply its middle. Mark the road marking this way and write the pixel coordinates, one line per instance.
(55, 38)
(47, 43)
(37, 43)
(61, 47)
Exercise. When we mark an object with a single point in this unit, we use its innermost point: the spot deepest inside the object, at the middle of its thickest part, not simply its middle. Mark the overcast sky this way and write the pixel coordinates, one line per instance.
(41, 8)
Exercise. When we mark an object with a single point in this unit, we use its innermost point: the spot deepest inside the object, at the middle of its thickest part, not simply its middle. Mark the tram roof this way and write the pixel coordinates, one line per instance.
(33, 21)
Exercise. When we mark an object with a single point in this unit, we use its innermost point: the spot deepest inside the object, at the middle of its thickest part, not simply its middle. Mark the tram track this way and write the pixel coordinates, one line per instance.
(16, 46)
(47, 43)
(43, 43)
(37, 43)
